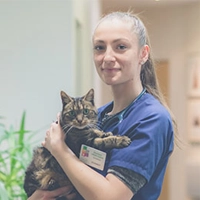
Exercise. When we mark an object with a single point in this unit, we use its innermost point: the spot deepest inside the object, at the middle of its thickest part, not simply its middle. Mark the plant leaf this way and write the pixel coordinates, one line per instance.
(15, 154)
(3, 192)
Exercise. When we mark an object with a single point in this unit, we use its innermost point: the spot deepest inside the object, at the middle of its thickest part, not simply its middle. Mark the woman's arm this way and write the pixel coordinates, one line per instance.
(89, 183)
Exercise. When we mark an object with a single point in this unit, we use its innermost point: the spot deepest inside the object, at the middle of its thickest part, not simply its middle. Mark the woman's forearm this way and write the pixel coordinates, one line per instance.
(90, 184)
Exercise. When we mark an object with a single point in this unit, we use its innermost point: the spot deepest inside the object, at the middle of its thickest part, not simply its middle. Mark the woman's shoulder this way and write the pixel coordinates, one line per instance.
(149, 108)
(105, 108)
(153, 105)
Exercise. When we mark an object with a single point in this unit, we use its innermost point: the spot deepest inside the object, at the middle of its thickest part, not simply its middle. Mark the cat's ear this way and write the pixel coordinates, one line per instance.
(90, 96)
(65, 98)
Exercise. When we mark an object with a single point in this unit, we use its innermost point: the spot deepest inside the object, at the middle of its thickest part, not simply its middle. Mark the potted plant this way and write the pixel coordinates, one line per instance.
(15, 154)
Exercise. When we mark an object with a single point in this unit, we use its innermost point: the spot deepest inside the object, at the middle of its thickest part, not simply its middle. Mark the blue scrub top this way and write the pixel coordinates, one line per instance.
(149, 126)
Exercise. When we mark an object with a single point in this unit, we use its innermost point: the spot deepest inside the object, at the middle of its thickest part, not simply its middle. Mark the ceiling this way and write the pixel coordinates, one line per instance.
(124, 4)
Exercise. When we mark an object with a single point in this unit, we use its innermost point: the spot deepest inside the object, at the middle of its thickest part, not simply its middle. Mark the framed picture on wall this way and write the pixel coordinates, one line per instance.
(193, 120)
(194, 76)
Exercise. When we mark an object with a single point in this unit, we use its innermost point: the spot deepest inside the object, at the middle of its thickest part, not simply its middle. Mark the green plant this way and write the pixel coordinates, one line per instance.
(15, 154)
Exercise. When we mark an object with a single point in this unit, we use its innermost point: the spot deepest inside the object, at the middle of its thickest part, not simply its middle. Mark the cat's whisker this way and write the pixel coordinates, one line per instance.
(94, 126)
(67, 129)
(65, 126)
(99, 123)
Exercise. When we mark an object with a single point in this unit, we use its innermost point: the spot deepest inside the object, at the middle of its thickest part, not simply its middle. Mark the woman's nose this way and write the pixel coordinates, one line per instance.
(109, 55)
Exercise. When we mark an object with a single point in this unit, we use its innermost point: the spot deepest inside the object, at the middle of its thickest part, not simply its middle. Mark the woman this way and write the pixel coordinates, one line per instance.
(123, 61)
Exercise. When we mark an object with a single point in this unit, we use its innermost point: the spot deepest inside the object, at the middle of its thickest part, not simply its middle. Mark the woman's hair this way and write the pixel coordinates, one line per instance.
(148, 74)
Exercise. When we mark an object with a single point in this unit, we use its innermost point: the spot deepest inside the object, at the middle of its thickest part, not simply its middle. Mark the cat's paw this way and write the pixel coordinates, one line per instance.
(124, 141)
(107, 134)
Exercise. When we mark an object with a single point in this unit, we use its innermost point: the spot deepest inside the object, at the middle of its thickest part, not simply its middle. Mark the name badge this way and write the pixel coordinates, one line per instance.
(92, 157)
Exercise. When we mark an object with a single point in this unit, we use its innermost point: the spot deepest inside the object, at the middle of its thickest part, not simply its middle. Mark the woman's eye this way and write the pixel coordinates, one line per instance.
(85, 111)
(99, 48)
(71, 113)
(121, 47)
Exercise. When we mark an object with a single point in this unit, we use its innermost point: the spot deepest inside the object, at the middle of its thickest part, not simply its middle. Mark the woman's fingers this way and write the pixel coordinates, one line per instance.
(62, 191)
(58, 115)
(71, 196)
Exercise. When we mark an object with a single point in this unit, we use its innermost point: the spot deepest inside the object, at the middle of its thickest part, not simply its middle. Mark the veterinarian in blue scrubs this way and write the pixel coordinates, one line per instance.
(123, 61)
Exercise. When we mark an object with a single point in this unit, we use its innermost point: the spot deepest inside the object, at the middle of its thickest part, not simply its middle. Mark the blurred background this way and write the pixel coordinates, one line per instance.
(45, 47)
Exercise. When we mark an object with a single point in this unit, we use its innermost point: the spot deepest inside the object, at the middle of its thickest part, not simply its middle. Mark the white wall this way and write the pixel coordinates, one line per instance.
(82, 44)
(95, 14)
(38, 58)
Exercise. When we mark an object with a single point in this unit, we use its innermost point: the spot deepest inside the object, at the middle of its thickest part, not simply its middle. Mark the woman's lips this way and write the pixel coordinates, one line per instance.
(111, 70)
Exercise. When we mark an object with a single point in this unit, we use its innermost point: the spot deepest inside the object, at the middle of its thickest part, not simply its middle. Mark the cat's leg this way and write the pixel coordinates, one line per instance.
(102, 134)
(111, 142)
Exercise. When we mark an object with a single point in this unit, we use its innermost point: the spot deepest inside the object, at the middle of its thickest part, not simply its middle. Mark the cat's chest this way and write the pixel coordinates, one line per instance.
(76, 138)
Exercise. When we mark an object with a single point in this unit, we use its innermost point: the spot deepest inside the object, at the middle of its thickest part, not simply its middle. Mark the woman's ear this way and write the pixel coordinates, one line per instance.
(144, 54)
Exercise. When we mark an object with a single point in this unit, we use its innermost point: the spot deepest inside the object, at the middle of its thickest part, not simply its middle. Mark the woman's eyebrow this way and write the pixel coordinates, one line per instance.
(98, 41)
(120, 39)
(114, 41)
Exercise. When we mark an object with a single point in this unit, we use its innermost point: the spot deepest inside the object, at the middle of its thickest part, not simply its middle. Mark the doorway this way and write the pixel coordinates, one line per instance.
(162, 71)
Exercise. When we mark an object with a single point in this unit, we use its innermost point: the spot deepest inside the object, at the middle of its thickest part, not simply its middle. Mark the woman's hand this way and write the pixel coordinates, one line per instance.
(54, 137)
(52, 195)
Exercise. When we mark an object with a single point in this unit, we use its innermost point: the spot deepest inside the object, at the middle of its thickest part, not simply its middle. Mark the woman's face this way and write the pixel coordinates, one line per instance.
(117, 55)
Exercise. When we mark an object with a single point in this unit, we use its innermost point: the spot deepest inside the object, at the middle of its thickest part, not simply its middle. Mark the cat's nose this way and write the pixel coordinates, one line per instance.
(79, 119)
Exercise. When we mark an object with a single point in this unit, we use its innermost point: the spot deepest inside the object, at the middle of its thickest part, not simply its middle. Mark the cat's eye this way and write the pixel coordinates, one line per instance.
(85, 111)
(71, 113)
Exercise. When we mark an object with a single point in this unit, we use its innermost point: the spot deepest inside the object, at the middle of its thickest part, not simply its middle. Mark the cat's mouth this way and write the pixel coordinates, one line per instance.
(74, 128)
(81, 126)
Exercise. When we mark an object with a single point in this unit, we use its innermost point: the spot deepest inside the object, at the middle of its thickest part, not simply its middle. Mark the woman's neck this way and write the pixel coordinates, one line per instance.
(123, 96)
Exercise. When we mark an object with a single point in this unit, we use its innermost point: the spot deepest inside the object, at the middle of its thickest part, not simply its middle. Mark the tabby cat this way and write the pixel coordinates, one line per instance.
(79, 123)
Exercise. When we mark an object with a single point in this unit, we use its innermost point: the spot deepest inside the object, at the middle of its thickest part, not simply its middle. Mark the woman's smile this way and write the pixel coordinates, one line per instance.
(110, 71)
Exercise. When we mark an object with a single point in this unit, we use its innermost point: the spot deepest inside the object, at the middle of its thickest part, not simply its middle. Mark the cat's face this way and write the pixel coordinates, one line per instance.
(78, 112)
